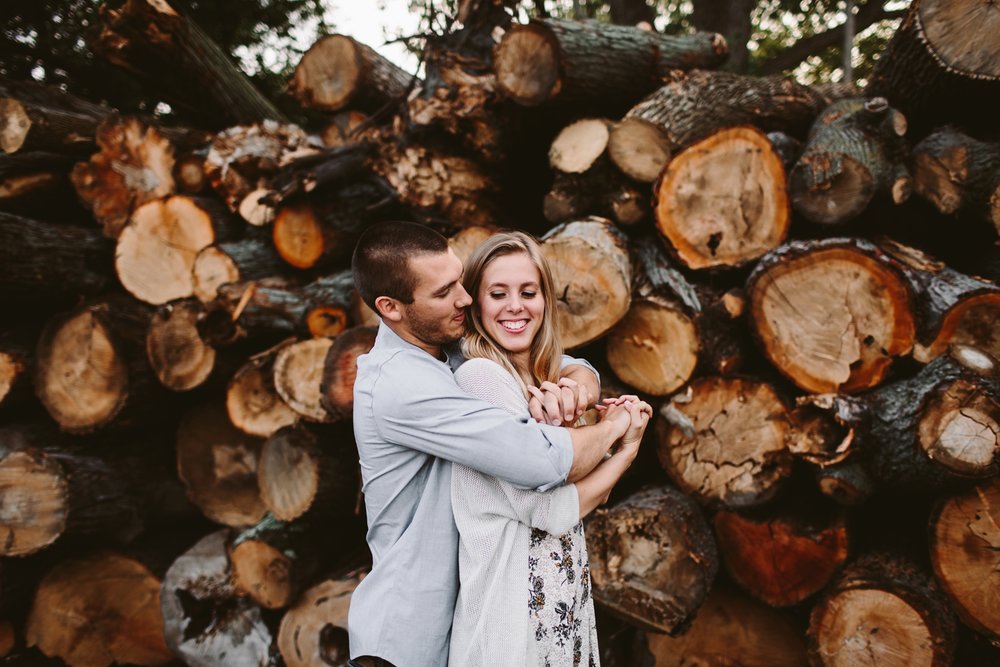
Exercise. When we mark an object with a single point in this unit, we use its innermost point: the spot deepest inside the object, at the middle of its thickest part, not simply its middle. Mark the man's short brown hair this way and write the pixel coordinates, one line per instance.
(381, 264)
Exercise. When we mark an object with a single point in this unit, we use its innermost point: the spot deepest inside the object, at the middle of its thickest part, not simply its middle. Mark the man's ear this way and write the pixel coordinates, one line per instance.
(388, 309)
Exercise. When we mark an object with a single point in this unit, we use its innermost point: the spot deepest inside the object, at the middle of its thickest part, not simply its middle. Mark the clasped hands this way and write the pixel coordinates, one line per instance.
(562, 403)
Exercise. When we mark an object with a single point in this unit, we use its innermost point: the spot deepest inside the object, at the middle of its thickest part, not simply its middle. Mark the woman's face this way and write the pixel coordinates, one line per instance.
(511, 303)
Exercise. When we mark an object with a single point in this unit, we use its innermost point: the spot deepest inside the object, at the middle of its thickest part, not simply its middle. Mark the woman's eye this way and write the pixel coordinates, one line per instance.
(497, 295)
(528, 295)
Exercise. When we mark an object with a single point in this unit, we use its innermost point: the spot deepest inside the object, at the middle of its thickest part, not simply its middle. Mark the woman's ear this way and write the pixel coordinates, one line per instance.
(388, 309)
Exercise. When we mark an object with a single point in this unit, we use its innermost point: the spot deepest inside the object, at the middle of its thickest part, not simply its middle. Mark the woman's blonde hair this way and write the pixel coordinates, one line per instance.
(545, 355)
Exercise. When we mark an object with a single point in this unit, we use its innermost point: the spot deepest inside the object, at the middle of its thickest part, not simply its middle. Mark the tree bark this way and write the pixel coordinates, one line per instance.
(731, 19)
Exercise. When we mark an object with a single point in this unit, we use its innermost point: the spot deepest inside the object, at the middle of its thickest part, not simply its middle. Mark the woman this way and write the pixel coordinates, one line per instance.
(524, 597)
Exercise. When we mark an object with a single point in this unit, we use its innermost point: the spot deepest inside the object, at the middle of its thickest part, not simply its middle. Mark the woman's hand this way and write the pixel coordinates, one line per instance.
(640, 413)
(558, 403)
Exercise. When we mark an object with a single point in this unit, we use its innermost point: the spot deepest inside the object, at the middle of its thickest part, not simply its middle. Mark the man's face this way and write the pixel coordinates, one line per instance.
(437, 314)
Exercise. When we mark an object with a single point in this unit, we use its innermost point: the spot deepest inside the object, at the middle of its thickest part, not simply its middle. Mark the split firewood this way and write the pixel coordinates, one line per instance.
(591, 63)
(965, 552)
(175, 349)
(591, 273)
(298, 474)
(693, 105)
(156, 250)
(722, 202)
(134, 165)
(782, 557)
(98, 611)
(661, 593)
(958, 174)
(247, 259)
(339, 72)
(951, 308)
(48, 492)
(298, 376)
(831, 315)
(218, 466)
(940, 66)
(91, 370)
(252, 402)
(34, 117)
(173, 54)
(731, 624)
(723, 442)
(855, 150)
(340, 368)
(205, 621)
(882, 611)
(42, 258)
(314, 631)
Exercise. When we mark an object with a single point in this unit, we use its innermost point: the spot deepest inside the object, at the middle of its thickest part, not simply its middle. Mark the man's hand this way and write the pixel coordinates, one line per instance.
(558, 403)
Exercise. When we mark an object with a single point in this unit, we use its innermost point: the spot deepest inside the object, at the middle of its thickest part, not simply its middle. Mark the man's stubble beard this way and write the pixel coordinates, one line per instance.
(430, 330)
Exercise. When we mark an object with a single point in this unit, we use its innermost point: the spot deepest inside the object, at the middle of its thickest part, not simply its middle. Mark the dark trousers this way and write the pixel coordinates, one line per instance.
(368, 661)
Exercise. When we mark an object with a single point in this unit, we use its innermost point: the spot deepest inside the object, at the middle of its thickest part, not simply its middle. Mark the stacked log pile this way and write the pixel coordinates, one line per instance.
(806, 288)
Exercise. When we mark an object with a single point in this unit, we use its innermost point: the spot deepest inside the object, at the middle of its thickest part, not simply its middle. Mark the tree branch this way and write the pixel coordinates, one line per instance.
(872, 12)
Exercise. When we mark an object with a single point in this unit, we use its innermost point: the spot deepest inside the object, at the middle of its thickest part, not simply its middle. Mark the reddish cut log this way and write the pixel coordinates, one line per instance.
(91, 368)
(882, 611)
(314, 631)
(694, 105)
(251, 258)
(44, 258)
(951, 307)
(730, 624)
(339, 72)
(174, 348)
(156, 250)
(724, 441)
(175, 56)
(959, 174)
(722, 202)
(591, 273)
(205, 621)
(340, 368)
(941, 65)
(218, 466)
(252, 402)
(652, 559)
(98, 611)
(831, 315)
(965, 552)
(134, 165)
(298, 376)
(855, 150)
(782, 558)
(594, 63)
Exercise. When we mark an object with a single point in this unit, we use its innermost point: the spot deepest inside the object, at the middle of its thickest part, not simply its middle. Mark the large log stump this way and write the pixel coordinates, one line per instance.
(314, 631)
(652, 559)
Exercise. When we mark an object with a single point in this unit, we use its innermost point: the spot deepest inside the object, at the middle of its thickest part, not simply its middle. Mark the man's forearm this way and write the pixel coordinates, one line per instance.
(590, 444)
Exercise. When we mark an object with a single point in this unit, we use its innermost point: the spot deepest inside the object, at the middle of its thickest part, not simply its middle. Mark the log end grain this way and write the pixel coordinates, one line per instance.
(961, 35)
(578, 146)
(34, 496)
(654, 348)
(328, 74)
(341, 367)
(314, 631)
(298, 373)
(639, 148)
(527, 65)
(175, 350)
(252, 403)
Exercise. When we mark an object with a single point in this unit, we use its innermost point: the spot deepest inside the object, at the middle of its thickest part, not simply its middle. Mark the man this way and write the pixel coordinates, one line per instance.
(411, 421)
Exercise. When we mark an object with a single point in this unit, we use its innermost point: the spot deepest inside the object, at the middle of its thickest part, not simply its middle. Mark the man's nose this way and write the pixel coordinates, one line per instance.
(464, 300)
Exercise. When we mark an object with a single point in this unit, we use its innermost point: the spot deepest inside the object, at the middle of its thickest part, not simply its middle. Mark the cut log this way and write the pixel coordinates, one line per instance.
(30, 124)
(15, 369)
(174, 56)
(941, 66)
(252, 402)
(218, 466)
(91, 369)
(652, 559)
(39, 258)
(344, 127)
(314, 631)
(98, 611)
(176, 352)
(784, 557)
(855, 150)
(965, 552)
(247, 259)
(134, 165)
(591, 63)
(951, 307)
(882, 611)
(831, 315)
(959, 174)
(156, 250)
(694, 105)
(298, 377)
(48, 493)
(731, 624)
(579, 146)
(339, 72)
(723, 202)
(205, 621)
(591, 273)
(189, 172)
(724, 441)
(340, 368)
(462, 244)
(37, 183)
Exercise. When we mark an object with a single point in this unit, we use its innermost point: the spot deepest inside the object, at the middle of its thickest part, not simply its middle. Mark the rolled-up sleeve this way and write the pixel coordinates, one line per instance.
(418, 404)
